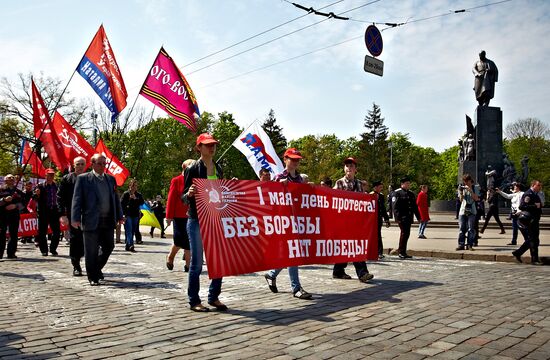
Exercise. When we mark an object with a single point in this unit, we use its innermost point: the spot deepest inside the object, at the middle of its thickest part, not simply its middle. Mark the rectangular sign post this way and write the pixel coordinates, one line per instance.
(373, 65)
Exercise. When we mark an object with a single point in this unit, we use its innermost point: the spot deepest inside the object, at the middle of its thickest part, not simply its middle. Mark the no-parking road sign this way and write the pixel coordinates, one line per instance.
(373, 40)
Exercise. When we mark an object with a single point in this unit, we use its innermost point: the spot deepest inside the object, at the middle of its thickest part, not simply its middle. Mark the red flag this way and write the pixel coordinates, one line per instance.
(114, 165)
(73, 143)
(43, 132)
(167, 88)
(100, 69)
(30, 158)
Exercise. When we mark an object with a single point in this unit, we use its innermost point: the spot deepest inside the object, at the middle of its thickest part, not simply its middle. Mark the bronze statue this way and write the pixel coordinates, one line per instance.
(470, 147)
(486, 75)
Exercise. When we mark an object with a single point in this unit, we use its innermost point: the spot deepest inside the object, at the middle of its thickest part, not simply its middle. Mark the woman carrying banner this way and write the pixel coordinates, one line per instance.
(292, 160)
(131, 201)
(203, 168)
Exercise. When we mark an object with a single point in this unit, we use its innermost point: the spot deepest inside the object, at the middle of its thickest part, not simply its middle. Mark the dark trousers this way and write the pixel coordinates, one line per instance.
(531, 241)
(493, 211)
(380, 244)
(405, 227)
(9, 220)
(98, 246)
(45, 218)
(76, 246)
(360, 268)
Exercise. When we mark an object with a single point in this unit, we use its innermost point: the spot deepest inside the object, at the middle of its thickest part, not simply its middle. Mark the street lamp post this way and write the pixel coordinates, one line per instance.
(94, 122)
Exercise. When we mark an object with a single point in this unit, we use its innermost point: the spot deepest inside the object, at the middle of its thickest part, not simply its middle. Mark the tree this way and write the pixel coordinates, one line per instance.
(322, 156)
(444, 178)
(374, 152)
(275, 133)
(529, 128)
(18, 99)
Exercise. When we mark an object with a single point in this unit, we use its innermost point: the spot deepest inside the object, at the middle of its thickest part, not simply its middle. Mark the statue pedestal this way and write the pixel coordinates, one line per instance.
(488, 122)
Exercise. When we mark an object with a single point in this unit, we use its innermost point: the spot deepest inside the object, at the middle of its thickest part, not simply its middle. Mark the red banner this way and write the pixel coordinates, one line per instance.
(29, 157)
(44, 133)
(167, 88)
(100, 69)
(73, 143)
(249, 226)
(114, 165)
(28, 225)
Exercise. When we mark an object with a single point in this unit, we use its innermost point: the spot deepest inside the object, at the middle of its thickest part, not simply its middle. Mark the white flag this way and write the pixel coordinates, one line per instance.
(256, 146)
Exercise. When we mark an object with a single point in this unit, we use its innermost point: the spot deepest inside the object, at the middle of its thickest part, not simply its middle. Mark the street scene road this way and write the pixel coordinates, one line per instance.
(412, 309)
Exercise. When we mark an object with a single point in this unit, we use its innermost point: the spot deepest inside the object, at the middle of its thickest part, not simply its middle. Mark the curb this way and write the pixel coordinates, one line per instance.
(467, 255)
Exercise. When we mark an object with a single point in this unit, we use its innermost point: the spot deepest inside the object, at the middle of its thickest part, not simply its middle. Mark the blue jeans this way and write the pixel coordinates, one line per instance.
(422, 227)
(195, 267)
(467, 226)
(131, 225)
(292, 273)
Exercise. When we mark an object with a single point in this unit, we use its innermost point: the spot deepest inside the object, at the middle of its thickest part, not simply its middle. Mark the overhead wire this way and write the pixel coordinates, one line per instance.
(258, 34)
(277, 38)
(388, 26)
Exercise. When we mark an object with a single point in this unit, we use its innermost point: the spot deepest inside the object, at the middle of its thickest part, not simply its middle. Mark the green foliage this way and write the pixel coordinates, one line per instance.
(374, 152)
(444, 180)
(538, 151)
(275, 133)
(10, 144)
(323, 156)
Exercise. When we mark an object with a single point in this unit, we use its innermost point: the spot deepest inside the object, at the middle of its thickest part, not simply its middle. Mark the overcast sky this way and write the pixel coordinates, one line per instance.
(425, 91)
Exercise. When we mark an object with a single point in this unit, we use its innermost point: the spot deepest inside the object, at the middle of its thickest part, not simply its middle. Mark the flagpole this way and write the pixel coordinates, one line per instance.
(226, 150)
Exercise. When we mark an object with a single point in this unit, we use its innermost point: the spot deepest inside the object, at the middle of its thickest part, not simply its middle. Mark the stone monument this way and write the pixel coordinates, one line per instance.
(482, 143)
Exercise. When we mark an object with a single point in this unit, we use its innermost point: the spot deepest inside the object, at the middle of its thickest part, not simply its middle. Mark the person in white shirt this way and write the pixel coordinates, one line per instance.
(515, 196)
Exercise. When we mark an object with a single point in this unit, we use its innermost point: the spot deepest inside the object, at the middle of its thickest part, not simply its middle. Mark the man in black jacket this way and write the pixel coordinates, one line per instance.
(64, 203)
(529, 222)
(11, 202)
(377, 187)
(46, 197)
(404, 208)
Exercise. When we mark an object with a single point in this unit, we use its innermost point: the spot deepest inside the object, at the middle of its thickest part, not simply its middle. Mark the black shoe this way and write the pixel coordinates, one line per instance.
(77, 272)
(502, 232)
(12, 257)
(535, 262)
(169, 266)
(366, 277)
(130, 249)
(461, 247)
(422, 237)
(139, 242)
(185, 268)
(517, 256)
(302, 294)
(381, 256)
(163, 236)
(44, 254)
(272, 283)
(343, 276)
(405, 256)
(218, 305)
(54, 253)
(151, 233)
(94, 282)
(512, 243)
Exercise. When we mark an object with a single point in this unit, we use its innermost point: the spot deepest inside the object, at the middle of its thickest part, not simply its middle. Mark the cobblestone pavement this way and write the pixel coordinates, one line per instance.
(445, 309)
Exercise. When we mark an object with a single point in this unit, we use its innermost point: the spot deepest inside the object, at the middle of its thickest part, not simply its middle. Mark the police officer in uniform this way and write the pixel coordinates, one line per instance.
(404, 208)
(11, 202)
(382, 214)
(529, 221)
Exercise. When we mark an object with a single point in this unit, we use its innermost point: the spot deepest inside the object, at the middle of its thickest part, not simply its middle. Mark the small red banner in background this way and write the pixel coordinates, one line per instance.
(28, 225)
(250, 226)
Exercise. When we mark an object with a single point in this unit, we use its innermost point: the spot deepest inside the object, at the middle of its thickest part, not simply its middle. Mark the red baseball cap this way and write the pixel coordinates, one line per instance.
(350, 160)
(50, 171)
(206, 138)
(293, 153)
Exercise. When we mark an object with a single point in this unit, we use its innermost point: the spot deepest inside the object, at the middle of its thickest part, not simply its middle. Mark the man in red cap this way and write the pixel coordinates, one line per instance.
(291, 159)
(350, 183)
(46, 198)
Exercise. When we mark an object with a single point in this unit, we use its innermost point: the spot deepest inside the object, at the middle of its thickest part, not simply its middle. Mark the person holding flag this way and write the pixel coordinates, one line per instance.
(291, 159)
(203, 168)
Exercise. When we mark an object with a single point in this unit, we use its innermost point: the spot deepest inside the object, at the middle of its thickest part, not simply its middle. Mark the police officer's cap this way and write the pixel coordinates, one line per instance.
(405, 179)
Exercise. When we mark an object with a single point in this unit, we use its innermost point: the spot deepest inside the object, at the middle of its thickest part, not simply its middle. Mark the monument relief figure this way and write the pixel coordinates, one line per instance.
(491, 174)
(486, 75)
(470, 147)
